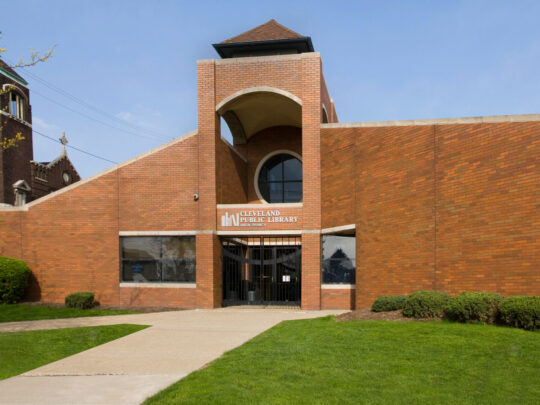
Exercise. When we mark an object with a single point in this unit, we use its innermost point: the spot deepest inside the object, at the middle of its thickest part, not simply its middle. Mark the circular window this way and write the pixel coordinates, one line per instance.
(280, 179)
(66, 177)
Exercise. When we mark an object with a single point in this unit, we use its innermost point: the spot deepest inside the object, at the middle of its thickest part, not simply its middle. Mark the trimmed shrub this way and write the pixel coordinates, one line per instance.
(472, 307)
(425, 304)
(82, 300)
(14, 275)
(521, 312)
(388, 303)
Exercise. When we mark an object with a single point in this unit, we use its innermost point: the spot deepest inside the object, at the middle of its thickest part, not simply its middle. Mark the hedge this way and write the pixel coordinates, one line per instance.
(521, 312)
(388, 303)
(14, 274)
(472, 307)
(82, 300)
(425, 304)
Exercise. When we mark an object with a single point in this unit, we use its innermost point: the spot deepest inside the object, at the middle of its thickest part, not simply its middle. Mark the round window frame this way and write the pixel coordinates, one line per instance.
(260, 165)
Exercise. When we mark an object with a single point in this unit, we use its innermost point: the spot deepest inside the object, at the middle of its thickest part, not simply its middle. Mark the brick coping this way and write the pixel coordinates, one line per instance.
(439, 121)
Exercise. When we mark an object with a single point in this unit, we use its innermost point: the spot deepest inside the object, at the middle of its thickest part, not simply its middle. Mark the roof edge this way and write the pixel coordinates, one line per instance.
(107, 171)
(301, 43)
(438, 121)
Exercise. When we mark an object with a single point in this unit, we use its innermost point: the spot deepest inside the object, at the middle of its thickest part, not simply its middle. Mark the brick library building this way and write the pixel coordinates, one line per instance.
(300, 210)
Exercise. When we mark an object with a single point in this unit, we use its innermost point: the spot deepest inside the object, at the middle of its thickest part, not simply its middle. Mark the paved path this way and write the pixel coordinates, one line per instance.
(129, 369)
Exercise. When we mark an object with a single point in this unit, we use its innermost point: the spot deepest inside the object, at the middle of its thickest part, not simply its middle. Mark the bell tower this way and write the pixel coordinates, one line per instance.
(16, 149)
(267, 86)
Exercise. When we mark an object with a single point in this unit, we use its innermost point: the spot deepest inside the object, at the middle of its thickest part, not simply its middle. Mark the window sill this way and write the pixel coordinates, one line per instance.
(338, 286)
(158, 285)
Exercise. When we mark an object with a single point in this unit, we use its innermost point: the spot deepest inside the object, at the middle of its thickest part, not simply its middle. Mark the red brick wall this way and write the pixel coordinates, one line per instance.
(337, 299)
(449, 207)
(488, 217)
(156, 193)
(208, 266)
(158, 297)
(70, 239)
(233, 75)
(71, 242)
(10, 233)
(311, 188)
(326, 101)
(338, 174)
(231, 176)
(394, 211)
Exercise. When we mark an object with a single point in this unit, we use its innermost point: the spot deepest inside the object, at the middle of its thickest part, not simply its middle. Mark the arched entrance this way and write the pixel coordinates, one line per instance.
(251, 110)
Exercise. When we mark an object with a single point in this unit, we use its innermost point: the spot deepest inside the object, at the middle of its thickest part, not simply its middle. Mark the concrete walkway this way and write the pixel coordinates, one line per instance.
(129, 369)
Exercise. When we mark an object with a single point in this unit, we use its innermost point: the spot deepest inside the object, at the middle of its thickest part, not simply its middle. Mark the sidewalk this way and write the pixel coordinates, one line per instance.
(128, 370)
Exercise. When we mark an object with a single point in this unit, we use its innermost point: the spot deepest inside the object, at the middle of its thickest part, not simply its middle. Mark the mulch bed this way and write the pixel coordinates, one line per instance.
(367, 315)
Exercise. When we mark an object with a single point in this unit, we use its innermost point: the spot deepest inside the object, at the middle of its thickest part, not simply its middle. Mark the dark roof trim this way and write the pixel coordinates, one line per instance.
(15, 77)
(300, 45)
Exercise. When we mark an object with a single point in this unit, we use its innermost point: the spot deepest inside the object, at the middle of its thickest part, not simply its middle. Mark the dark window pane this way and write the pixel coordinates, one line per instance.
(280, 179)
(265, 192)
(140, 271)
(275, 192)
(179, 270)
(292, 168)
(158, 259)
(338, 246)
(140, 248)
(293, 192)
(338, 272)
(338, 259)
(178, 247)
(272, 169)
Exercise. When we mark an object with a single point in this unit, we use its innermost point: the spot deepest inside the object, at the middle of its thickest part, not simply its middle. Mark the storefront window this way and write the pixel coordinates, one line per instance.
(280, 179)
(158, 259)
(338, 259)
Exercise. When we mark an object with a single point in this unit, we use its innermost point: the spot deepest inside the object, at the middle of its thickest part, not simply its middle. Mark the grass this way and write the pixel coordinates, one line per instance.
(321, 361)
(22, 312)
(23, 351)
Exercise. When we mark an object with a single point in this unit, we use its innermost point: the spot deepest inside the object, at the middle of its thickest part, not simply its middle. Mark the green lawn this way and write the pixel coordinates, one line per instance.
(321, 361)
(21, 312)
(23, 351)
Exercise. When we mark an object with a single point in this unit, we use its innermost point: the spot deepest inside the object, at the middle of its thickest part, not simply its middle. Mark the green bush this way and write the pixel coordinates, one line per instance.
(521, 312)
(14, 275)
(388, 303)
(474, 307)
(425, 304)
(82, 300)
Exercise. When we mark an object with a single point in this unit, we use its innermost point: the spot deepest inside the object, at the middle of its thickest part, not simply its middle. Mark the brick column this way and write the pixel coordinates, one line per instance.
(311, 162)
(207, 243)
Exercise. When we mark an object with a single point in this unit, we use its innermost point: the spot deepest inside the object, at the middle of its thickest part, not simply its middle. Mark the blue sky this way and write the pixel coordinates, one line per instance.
(135, 62)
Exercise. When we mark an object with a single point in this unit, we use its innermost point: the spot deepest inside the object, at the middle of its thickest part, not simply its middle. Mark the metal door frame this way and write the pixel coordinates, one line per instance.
(243, 269)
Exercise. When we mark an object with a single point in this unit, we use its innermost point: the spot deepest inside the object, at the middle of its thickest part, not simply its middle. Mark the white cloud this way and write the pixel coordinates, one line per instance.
(42, 125)
(138, 118)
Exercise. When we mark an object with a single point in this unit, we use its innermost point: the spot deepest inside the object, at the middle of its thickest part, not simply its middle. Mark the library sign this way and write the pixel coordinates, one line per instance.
(273, 218)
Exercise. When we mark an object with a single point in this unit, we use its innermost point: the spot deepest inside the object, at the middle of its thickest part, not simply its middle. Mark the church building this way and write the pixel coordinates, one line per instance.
(21, 178)
(300, 210)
